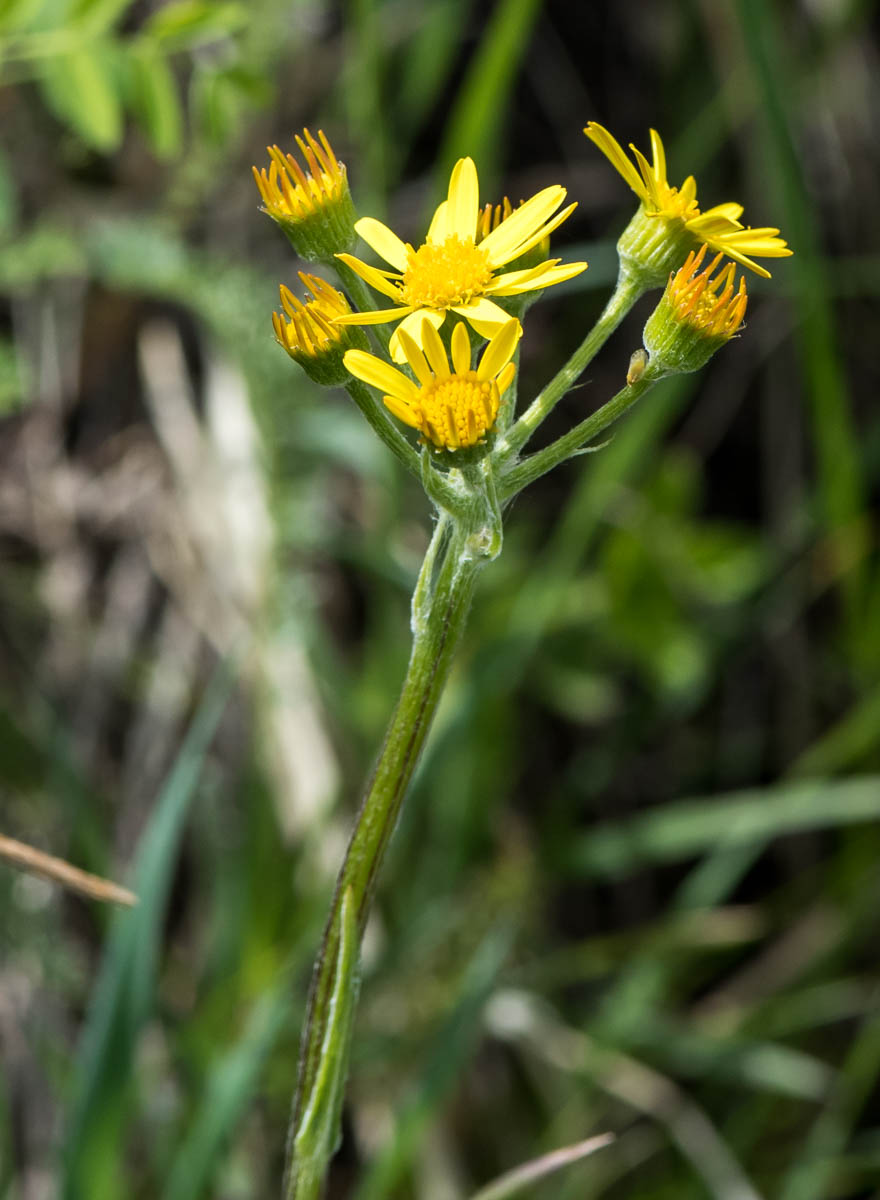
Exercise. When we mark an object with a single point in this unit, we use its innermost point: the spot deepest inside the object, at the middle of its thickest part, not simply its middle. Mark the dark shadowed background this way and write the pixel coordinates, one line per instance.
(636, 886)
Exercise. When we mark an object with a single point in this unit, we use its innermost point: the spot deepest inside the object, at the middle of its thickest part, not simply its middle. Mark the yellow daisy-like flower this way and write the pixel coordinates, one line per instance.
(312, 206)
(698, 313)
(720, 227)
(454, 408)
(455, 270)
(307, 330)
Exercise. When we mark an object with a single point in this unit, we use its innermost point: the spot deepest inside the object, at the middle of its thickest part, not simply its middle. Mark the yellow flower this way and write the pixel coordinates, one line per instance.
(696, 315)
(454, 409)
(718, 227)
(313, 206)
(453, 271)
(309, 335)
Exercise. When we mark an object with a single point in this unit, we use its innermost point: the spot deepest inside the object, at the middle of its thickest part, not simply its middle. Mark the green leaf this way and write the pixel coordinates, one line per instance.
(190, 22)
(216, 105)
(81, 89)
(154, 98)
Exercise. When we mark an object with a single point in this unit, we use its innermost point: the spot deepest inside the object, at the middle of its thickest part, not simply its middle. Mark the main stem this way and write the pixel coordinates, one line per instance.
(438, 628)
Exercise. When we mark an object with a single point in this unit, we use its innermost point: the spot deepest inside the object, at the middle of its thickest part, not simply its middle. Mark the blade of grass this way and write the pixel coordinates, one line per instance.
(123, 995)
(841, 487)
(810, 1178)
(695, 826)
(515, 1181)
(474, 124)
(227, 1091)
(451, 1049)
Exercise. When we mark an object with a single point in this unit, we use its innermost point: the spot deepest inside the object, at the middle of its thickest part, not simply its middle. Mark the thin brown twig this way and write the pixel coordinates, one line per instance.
(59, 871)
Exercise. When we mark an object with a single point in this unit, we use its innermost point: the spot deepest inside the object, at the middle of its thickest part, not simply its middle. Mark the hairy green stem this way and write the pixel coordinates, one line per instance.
(363, 298)
(628, 290)
(529, 469)
(382, 424)
(438, 624)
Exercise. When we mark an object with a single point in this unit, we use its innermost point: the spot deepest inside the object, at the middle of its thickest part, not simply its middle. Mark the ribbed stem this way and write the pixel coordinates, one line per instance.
(437, 634)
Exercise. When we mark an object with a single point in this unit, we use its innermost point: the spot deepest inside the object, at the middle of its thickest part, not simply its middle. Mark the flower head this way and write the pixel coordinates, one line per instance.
(453, 407)
(313, 206)
(678, 212)
(307, 331)
(456, 269)
(698, 313)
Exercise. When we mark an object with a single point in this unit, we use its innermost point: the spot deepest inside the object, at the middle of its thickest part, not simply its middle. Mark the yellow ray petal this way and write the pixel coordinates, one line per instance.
(659, 156)
(464, 199)
(461, 349)
(543, 279)
(503, 243)
(505, 379)
(729, 211)
(413, 326)
(647, 173)
(438, 230)
(484, 315)
(616, 155)
(415, 358)
(376, 279)
(744, 261)
(500, 350)
(688, 192)
(434, 350)
(383, 240)
(512, 278)
(379, 374)
(376, 316)
(402, 410)
(545, 230)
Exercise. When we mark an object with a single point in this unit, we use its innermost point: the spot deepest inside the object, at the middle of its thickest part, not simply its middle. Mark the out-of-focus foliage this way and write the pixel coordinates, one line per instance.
(635, 887)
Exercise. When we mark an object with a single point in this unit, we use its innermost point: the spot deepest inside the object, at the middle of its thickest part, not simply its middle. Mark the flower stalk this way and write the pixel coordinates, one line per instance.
(439, 616)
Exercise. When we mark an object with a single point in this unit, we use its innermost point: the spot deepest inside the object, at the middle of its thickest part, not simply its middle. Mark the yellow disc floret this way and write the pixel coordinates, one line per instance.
(457, 412)
(454, 409)
(714, 306)
(442, 275)
(310, 201)
(307, 330)
(698, 313)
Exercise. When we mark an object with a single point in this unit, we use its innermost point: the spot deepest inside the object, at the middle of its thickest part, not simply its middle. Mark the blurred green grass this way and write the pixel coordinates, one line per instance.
(636, 883)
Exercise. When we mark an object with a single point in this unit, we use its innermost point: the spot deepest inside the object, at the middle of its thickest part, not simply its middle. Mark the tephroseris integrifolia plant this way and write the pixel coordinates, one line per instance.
(441, 393)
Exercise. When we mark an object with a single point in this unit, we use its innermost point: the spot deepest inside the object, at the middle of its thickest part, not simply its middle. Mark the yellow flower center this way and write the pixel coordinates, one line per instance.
(458, 410)
(442, 274)
(671, 203)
